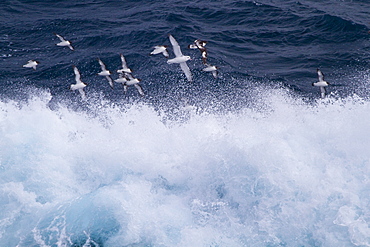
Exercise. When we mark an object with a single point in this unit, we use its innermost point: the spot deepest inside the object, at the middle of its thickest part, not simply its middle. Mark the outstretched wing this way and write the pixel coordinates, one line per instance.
(186, 70)
(157, 49)
(129, 76)
(200, 43)
(60, 37)
(82, 92)
(165, 53)
(320, 75)
(139, 89)
(124, 64)
(215, 73)
(77, 73)
(102, 65)
(323, 92)
(175, 45)
(110, 81)
(193, 46)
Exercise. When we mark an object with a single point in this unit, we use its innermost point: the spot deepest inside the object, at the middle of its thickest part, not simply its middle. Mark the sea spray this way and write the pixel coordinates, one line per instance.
(290, 173)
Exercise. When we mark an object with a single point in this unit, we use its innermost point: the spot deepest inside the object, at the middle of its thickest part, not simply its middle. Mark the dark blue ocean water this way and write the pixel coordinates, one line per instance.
(252, 158)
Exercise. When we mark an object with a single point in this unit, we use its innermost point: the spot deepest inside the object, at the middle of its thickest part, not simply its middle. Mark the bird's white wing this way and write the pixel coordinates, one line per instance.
(102, 65)
(176, 47)
(320, 75)
(129, 76)
(124, 64)
(121, 79)
(193, 46)
(215, 73)
(139, 89)
(82, 92)
(157, 49)
(60, 37)
(323, 92)
(110, 81)
(77, 73)
(165, 53)
(186, 70)
(160, 49)
(200, 43)
(209, 68)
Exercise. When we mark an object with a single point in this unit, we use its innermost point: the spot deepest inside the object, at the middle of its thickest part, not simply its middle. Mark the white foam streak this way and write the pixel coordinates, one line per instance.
(290, 174)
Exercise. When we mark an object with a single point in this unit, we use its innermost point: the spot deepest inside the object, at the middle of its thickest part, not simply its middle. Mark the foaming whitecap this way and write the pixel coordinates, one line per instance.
(289, 173)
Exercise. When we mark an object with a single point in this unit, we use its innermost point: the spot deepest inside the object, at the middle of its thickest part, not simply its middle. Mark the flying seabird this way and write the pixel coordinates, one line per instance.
(121, 78)
(64, 42)
(105, 72)
(124, 69)
(31, 64)
(204, 56)
(160, 49)
(321, 83)
(200, 45)
(79, 84)
(180, 59)
(130, 80)
(211, 68)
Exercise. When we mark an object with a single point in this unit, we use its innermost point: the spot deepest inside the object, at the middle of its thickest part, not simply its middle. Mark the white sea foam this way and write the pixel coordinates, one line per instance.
(292, 173)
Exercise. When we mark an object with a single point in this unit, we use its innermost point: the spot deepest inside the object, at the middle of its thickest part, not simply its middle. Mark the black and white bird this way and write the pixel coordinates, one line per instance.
(79, 84)
(64, 42)
(200, 45)
(321, 83)
(124, 69)
(31, 64)
(121, 78)
(106, 73)
(160, 49)
(130, 80)
(213, 69)
(180, 58)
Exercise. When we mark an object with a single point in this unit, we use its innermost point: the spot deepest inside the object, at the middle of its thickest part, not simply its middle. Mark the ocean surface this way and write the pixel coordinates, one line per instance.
(253, 158)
